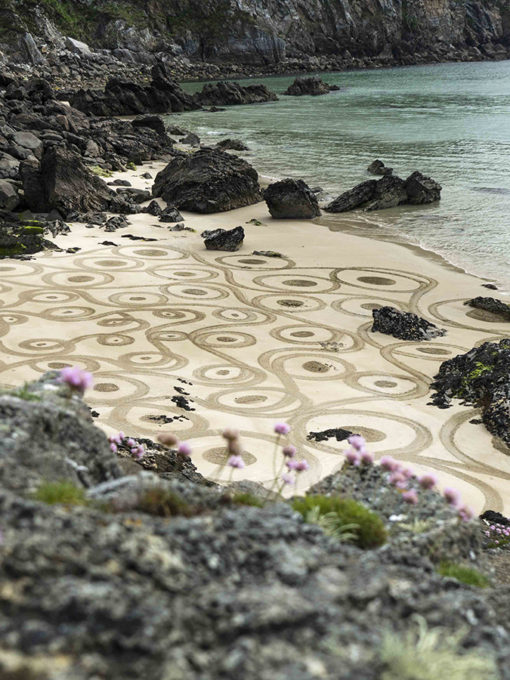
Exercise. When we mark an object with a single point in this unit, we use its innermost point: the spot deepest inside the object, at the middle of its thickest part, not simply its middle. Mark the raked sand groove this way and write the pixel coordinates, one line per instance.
(254, 339)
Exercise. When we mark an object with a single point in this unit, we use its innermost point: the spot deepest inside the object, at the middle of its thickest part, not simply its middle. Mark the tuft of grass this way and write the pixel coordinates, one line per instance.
(63, 492)
(423, 654)
(343, 518)
(164, 503)
(245, 498)
(130, 165)
(100, 172)
(25, 394)
(418, 526)
(466, 575)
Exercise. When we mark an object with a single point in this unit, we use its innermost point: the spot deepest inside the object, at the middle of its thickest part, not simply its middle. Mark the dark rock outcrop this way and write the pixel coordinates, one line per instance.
(226, 93)
(20, 238)
(404, 325)
(313, 85)
(377, 167)
(208, 181)
(231, 145)
(492, 305)
(63, 182)
(223, 239)
(388, 192)
(291, 198)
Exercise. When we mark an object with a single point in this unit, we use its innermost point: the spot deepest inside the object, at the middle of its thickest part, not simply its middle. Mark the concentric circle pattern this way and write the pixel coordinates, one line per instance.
(193, 342)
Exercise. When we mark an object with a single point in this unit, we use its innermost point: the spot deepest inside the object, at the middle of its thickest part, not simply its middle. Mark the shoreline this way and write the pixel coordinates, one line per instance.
(252, 340)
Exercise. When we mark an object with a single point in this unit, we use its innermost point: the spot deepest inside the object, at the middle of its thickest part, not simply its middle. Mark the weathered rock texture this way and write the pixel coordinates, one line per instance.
(226, 93)
(404, 325)
(313, 86)
(124, 587)
(291, 198)
(223, 239)
(491, 305)
(208, 181)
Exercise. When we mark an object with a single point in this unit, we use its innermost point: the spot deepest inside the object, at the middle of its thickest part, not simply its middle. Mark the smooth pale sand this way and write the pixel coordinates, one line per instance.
(254, 340)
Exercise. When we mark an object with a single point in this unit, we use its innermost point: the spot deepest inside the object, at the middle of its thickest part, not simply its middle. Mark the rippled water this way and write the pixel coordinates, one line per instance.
(451, 121)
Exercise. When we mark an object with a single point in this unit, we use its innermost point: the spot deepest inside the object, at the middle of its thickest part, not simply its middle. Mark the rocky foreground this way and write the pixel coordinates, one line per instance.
(113, 567)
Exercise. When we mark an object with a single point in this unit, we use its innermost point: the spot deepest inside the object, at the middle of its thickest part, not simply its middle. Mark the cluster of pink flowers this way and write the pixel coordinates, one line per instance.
(289, 451)
(120, 441)
(169, 439)
(498, 534)
(77, 379)
(401, 477)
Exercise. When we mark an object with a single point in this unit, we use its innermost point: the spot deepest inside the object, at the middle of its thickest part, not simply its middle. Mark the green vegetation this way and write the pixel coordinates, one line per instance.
(343, 518)
(164, 503)
(25, 393)
(419, 526)
(63, 492)
(466, 575)
(245, 498)
(130, 165)
(100, 172)
(424, 654)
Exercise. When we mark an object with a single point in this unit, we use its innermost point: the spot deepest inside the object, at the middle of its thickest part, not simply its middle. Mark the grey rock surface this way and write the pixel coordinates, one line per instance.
(291, 198)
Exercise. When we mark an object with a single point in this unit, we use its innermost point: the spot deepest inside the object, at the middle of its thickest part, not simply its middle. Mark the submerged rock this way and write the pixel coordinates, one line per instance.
(223, 239)
(421, 189)
(377, 167)
(231, 145)
(291, 198)
(404, 325)
(354, 198)
(208, 181)
(312, 85)
(491, 305)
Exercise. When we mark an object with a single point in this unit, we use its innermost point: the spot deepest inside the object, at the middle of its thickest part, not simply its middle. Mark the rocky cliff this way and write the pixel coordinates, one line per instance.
(262, 32)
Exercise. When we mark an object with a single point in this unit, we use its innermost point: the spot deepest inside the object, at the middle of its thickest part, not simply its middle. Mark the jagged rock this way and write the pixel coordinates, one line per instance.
(480, 378)
(48, 435)
(354, 198)
(231, 145)
(170, 214)
(208, 181)
(135, 195)
(226, 93)
(114, 223)
(291, 198)
(313, 85)
(153, 122)
(389, 192)
(20, 238)
(421, 189)
(78, 47)
(191, 139)
(63, 182)
(491, 305)
(154, 209)
(404, 325)
(9, 199)
(223, 239)
(377, 167)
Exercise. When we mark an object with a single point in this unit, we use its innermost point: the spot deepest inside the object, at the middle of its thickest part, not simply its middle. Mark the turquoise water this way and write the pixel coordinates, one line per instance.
(450, 121)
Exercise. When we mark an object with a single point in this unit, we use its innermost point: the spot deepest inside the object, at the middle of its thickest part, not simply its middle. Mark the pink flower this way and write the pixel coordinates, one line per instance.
(452, 496)
(389, 463)
(352, 457)
(76, 378)
(113, 447)
(428, 480)
(465, 513)
(288, 479)
(291, 464)
(367, 458)
(139, 452)
(131, 442)
(408, 473)
(397, 478)
(302, 465)
(184, 449)
(236, 462)
(410, 497)
(289, 451)
(357, 441)
(282, 428)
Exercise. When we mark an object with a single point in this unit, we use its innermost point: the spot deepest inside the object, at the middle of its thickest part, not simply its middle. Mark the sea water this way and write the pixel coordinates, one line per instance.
(450, 121)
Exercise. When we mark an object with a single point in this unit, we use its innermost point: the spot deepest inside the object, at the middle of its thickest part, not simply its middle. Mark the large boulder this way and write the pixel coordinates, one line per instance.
(491, 305)
(9, 199)
(208, 181)
(389, 192)
(291, 198)
(354, 198)
(228, 93)
(65, 183)
(223, 239)
(404, 325)
(421, 189)
(313, 85)
(377, 167)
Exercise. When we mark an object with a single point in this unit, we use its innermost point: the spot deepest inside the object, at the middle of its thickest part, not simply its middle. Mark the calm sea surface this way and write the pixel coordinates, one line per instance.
(451, 121)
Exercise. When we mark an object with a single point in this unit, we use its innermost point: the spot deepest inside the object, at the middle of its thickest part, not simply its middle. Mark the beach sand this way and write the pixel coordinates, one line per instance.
(251, 340)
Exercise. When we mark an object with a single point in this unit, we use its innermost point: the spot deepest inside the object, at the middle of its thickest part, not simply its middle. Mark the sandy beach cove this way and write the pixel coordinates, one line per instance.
(185, 340)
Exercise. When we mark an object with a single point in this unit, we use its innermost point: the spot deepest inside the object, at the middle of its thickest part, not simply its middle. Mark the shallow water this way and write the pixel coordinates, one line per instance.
(450, 121)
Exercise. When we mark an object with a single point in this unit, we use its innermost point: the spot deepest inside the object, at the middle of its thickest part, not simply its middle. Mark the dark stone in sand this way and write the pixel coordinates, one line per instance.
(377, 167)
(135, 195)
(404, 325)
(170, 214)
(120, 183)
(208, 181)
(313, 85)
(337, 432)
(154, 209)
(492, 305)
(267, 253)
(291, 198)
(494, 517)
(223, 239)
(117, 222)
(490, 286)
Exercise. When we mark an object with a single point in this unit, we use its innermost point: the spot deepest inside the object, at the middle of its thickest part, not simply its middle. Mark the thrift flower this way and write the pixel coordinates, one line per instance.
(282, 428)
(388, 463)
(452, 496)
(139, 452)
(352, 457)
(236, 462)
(76, 378)
(289, 451)
(113, 447)
(184, 449)
(287, 479)
(292, 464)
(366, 457)
(428, 480)
(410, 497)
(301, 466)
(357, 441)
(465, 514)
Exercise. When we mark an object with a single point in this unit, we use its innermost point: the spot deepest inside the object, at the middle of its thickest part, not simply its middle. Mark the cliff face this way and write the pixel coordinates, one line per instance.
(264, 31)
